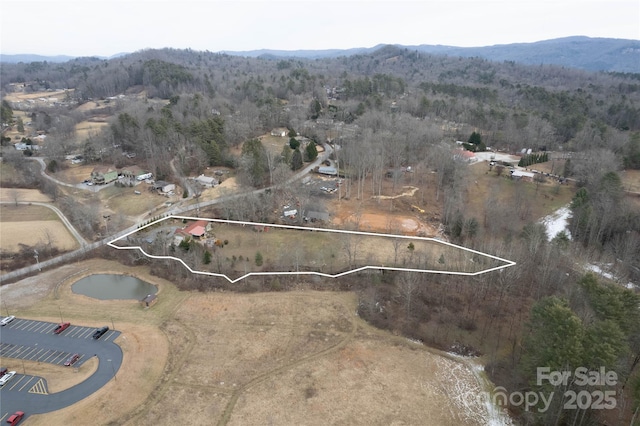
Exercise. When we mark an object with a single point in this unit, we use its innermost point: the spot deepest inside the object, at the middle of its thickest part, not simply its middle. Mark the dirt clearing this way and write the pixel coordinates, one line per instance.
(252, 359)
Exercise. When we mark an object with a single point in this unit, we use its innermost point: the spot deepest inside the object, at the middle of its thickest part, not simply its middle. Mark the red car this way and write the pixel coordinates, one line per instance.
(61, 327)
(15, 418)
(3, 371)
(72, 360)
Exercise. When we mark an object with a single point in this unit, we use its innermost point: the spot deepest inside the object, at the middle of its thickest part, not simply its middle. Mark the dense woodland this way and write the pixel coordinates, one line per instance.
(385, 110)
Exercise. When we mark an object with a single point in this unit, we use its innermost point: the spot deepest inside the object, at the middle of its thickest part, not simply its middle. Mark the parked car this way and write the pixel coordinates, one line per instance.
(8, 376)
(7, 320)
(15, 418)
(99, 332)
(61, 327)
(3, 371)
(72, 360)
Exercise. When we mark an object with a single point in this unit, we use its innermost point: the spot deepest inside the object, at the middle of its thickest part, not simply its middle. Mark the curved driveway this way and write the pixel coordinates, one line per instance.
(38, 335)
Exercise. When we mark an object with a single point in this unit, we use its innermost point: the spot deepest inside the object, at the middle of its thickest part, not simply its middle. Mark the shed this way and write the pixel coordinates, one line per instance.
(519, 174)
(331, 171)
(206, 181)
(149, 300)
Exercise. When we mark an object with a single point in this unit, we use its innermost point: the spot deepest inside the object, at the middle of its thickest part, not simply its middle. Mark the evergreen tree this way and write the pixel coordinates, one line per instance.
(311, 152)
(296, 160)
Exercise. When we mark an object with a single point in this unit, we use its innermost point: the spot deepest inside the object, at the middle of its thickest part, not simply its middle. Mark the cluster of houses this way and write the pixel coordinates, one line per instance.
(102, 175)
(134, 175)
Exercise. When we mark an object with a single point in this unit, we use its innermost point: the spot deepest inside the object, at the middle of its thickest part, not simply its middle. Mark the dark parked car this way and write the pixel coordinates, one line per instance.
(3, 371)
(99, 332)
(61, 327)
(15, 418)
(72, 360)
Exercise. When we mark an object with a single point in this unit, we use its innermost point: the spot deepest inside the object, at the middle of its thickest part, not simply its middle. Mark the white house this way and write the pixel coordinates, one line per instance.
(280, 131)
(206, 181)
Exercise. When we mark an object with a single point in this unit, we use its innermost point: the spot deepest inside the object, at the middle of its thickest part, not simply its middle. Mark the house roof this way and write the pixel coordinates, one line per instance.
(196, 229)
(206, 179)
(520, 173)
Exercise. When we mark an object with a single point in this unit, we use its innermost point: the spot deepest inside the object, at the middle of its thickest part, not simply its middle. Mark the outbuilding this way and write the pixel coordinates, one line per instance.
(149, 300)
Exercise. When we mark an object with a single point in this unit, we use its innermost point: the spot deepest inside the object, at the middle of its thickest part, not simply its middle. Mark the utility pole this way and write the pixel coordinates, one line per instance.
(35, 254)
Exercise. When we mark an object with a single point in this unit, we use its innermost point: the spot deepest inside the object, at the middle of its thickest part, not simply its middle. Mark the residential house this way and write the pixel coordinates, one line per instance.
(164, 187)
(206, 181)
(280, 131)
(197, 229)
(464, 155)
(103, 174)
(131, 172)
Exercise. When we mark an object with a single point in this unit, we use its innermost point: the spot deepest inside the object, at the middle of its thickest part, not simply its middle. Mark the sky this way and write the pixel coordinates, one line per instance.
(108, 27)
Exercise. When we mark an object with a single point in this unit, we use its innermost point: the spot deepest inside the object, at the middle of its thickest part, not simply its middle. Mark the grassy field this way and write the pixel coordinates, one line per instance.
(218, 358)
(31, 225)
(520, 202)
(328, 252)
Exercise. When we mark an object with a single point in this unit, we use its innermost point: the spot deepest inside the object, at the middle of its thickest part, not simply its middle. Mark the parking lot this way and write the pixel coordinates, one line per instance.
(30, 340)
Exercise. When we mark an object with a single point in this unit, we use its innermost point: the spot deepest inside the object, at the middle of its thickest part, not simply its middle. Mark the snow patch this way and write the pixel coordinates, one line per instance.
(465, 384)
(608, 275)
(557, 221)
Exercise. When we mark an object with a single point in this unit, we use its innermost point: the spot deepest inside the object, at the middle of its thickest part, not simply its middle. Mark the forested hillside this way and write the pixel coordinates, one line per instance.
(181, 111)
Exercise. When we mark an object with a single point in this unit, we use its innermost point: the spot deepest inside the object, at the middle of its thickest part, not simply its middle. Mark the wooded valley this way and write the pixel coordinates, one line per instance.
(178, 113)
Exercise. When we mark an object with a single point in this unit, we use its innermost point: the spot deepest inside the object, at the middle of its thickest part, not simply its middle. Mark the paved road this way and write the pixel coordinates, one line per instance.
(35, 341)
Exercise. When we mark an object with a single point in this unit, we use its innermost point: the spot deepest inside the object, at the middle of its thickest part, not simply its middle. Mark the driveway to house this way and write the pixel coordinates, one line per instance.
(43, 173)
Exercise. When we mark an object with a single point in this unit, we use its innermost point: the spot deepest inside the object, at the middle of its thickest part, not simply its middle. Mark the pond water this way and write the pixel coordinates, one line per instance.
(109, 286)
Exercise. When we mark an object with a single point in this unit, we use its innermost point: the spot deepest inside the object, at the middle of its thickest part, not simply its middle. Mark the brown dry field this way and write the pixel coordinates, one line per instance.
(74, 173)
(247, 359)
(32, 225)
(23, 195)
(22, 96)
(486, 186)
(84, 129)
(34, 233)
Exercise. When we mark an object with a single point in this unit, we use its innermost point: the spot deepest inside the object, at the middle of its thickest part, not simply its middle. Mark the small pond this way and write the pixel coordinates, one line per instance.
(109, 286)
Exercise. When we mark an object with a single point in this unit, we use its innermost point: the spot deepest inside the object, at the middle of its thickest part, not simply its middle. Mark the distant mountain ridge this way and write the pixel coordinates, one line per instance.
(586, 53)
(27, 57)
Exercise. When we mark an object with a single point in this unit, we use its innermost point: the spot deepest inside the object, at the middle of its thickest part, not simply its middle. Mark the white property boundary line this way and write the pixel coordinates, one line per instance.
(507, 262)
